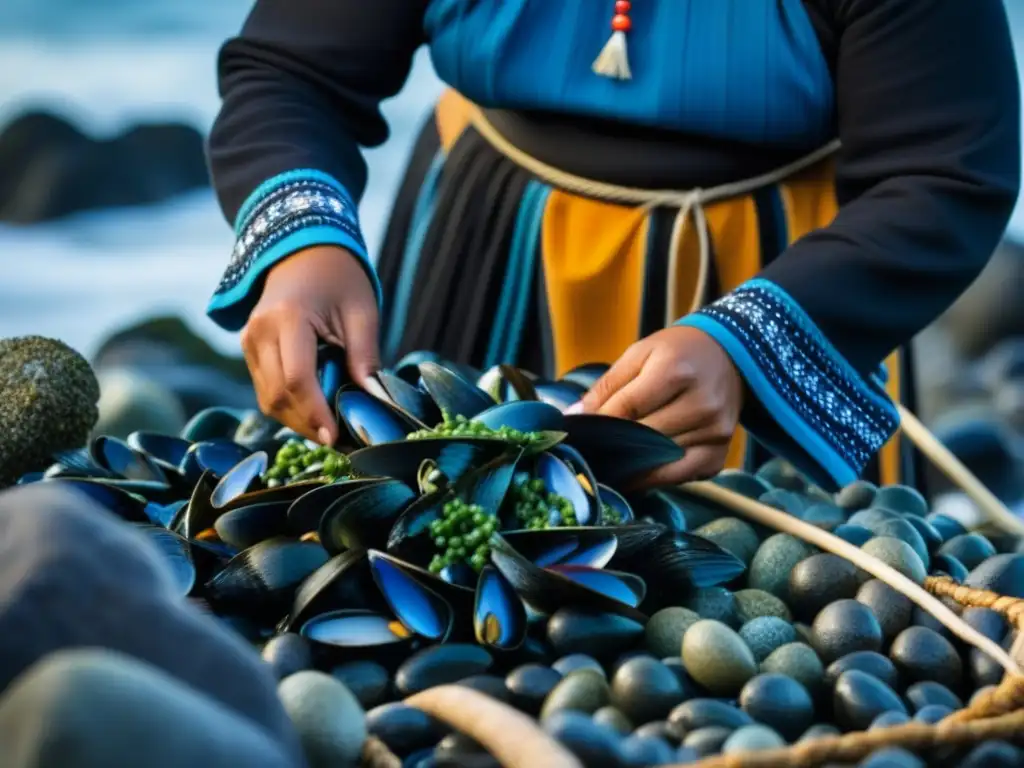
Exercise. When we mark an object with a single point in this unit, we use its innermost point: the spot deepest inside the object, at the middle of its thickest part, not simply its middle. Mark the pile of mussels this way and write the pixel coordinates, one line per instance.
(463, 530)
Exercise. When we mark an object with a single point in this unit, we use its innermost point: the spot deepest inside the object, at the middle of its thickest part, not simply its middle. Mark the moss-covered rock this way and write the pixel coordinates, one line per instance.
(48, 396)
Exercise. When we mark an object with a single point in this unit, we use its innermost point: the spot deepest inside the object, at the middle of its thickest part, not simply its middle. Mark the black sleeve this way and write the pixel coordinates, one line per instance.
(928, 113)
(301, 87)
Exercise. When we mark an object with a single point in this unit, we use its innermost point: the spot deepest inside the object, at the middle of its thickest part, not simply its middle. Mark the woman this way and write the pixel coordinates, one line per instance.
(680, 206)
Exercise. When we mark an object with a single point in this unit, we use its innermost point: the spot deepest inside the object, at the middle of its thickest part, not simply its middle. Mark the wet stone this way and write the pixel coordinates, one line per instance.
(707, 741)
(947, 527)
(993, 754)
(645, 690)
(705, 713)
(528, 685)
(779, 702)
(991, 624)
(574, 661)
(779, 473)
(902, 499)
(933, 713)
(902, 529)
(658, 729)
(854, 534)
(1002, 574)
(971, 549)
(820, 580)
(765, 634)
(869, 518)
(732, 535)
(402, 728)
(754, 603)
(691, 689)
(891, 757)
(950, 566)
(717, 658)
(663, 635)
(716, 603)
(800, 662)
(843, 627)
(859, 698)
(923, 694)
(893, 610)
(923, 618)
(582, 691)
(601, 635)
(819, 731)
(593, 744)
(489, 685)
(613, 718)
(824, 515)
(773, 562)
(752, 738)
(857, 495)
(644, 751)
(922, 654)
(869, 662)
(983, 669)
(328, 718)
(785, 501)
(931, 537)
(899, 555)
(368, 681)
(889, 719)
(440, 665)
(287, 654)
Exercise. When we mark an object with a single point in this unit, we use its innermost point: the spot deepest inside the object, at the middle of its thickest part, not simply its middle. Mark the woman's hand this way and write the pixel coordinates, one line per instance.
(319, 293)
(682, 383)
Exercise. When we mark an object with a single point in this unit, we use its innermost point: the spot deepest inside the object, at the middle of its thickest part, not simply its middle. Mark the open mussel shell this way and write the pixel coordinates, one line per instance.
(261, 581)
(499, 616)
(76, 463)
(453, 457)
(409, 398)
(332, 370)
(560, 394)
(247, 526)
(364, 518)
(408, 367)
(678, 562)
(167, 451)
(617, 450)
(306, 512)
(256, 432)
(660, 507)
(125, 505)
(124, 461)
(176, 552)
(199, 514)
(212, 424)
(560, 479)
(242, 478)
(618, 504)
(352, 634)
(370, 421)
(506, 384)
(453, 394)
(218, 457)
(627, 588)
(410, 538)
(545, 547)
(586, 375)
(487, 486)
(289, 493)
(546, 591)
(420, 609)
(525, 416)
(344, 581)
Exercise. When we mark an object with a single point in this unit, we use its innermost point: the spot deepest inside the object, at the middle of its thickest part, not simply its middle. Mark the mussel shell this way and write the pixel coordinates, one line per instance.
(506, 384)
(164, 515)
(212, 424)
(332, 370)
(77, 463)
(499, 616)
(627, 588)
(560, 394)
(344, 581)
(408, 367)
(364, 518)
(660, 508)
(167, 451)
(523, 415)
(125, 505)
(617, 450)
(420, 609)
(306, 512)
(488, 485)
(586, 375)
(242, 478)
(347, 635)
(591, 546)
(199, 514)
(289, 493)
(176, 552)
(453, 393)
(247, 526)
(574, 459)
(218, 457)
(120, 458)
(409, 398)
(454, 457)
(410, 538)
(256, 432)
(370, 421)
(676, 562)
(615, 500)
(546, 591)
(261, 581)
(559, 478)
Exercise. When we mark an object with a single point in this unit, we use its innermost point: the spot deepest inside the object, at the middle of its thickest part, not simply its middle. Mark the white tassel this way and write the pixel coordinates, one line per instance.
(614, 59)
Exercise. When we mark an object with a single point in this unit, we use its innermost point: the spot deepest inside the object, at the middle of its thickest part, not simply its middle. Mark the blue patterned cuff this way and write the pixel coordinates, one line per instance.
(812, 408)
(290, 212)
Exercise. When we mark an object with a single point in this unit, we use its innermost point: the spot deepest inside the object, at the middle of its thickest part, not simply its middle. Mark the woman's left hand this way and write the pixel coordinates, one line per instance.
(682, 383)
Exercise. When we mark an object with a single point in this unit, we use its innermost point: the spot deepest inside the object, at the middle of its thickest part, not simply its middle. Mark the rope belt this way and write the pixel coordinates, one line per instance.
(691, 203)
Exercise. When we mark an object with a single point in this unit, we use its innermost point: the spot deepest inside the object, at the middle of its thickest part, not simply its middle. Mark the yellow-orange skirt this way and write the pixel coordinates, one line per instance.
(484, 262)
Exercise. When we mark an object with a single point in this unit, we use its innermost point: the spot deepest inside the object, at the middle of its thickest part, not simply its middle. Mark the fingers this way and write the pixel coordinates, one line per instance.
(305, 400)
(360, 323)
(615, 378)
(698, 408)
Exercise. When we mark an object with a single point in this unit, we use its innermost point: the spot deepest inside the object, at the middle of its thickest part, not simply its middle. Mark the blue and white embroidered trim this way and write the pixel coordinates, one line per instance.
(286, 209)
(786, 351)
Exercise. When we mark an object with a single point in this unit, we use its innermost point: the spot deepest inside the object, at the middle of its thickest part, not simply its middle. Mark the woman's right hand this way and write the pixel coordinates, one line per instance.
(319, 293)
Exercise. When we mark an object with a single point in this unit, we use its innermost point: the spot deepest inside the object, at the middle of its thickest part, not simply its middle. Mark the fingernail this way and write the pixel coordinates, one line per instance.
(574, 409)
(324, 434)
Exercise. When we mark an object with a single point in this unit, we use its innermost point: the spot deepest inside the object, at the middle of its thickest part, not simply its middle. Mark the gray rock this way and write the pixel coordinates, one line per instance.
(330, 722)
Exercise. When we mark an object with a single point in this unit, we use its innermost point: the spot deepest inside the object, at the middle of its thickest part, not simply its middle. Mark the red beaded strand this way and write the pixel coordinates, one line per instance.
(613, 60)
